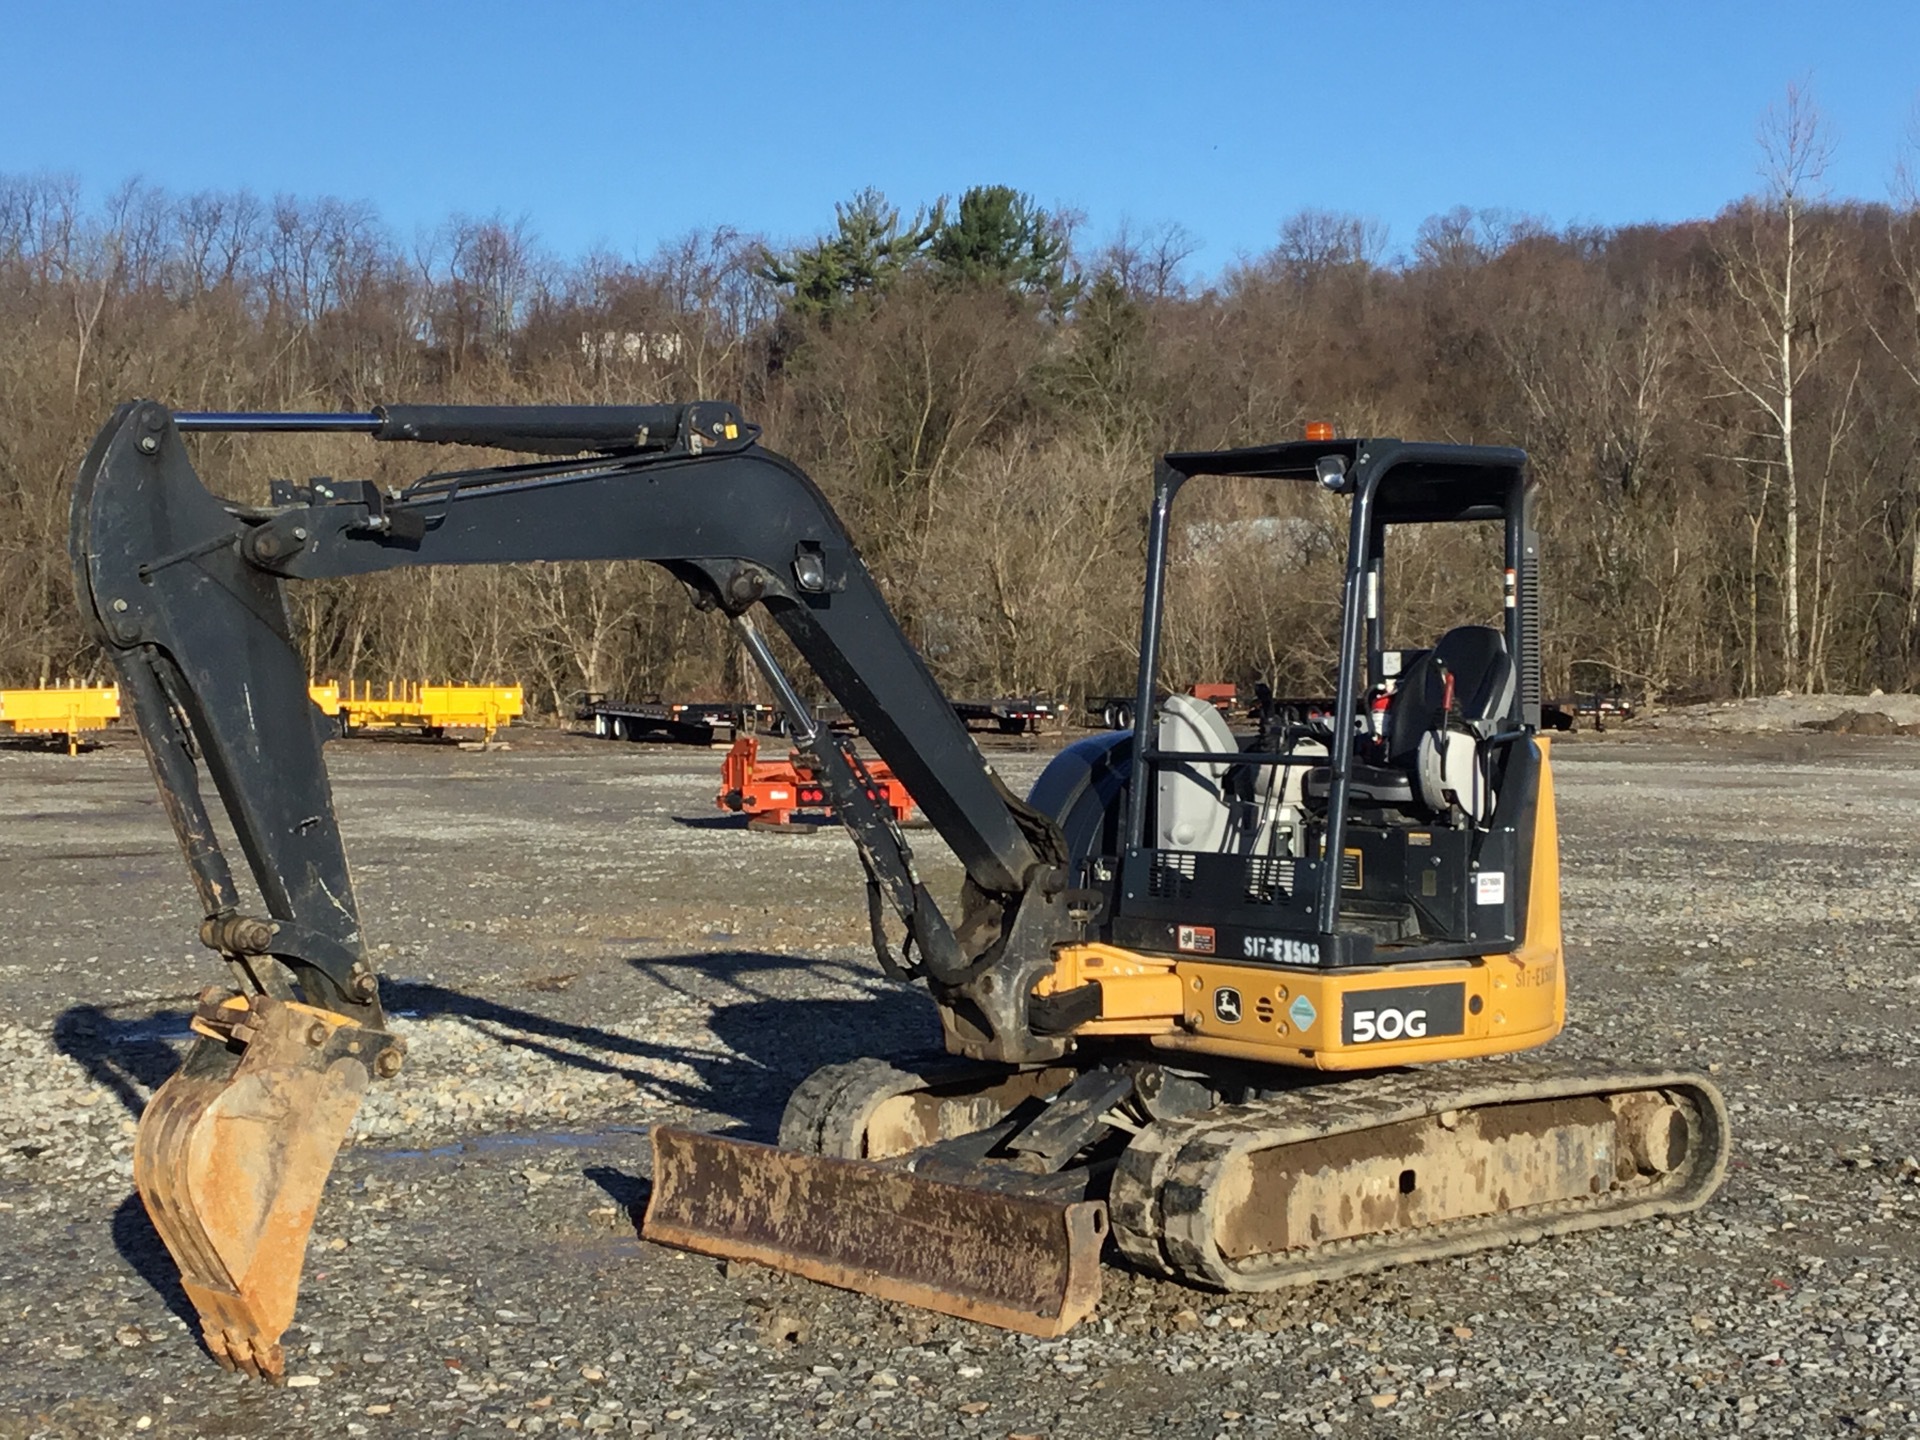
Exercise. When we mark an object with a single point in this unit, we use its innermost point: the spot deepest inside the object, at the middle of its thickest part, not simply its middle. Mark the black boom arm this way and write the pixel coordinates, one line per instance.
(186, 591)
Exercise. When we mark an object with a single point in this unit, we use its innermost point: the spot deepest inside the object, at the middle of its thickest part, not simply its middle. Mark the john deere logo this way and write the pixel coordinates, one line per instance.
(1226, 1005)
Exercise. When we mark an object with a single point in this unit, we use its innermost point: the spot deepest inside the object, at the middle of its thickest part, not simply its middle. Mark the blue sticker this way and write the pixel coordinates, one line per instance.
(1303, 1013)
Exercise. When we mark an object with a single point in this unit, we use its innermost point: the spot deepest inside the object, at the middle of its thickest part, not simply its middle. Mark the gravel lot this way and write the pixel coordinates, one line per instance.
(578, 946)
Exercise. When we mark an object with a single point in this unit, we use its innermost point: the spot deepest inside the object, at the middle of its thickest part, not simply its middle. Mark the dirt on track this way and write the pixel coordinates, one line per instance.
(578, 945)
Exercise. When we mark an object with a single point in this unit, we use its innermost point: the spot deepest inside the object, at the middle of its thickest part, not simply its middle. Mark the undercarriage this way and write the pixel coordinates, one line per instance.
(995, 1188)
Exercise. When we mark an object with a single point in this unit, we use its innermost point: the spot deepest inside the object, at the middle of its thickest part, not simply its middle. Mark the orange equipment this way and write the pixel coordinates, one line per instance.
(771, 794)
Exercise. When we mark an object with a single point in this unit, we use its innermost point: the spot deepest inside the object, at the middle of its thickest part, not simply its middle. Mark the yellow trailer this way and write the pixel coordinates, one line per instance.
(70, 711)
(429, 709)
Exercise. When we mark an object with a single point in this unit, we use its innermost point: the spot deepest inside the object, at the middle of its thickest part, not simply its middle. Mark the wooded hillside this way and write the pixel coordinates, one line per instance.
(1723, 416)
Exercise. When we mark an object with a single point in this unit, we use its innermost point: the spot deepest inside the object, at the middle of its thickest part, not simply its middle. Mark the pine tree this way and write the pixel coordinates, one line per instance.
(867, 251)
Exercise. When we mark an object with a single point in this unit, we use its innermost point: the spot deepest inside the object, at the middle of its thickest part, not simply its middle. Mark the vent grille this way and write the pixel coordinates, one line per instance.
(1529, 600)
(1269, 880)
(1172, 875)
(1263, 1010)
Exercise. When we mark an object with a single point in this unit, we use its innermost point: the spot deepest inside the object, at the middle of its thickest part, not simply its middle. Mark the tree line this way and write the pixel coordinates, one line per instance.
(1722, 414)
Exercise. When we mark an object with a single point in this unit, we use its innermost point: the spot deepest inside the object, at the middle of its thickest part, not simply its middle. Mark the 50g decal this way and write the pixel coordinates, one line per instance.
(1389, 1025)
(1406, 1012)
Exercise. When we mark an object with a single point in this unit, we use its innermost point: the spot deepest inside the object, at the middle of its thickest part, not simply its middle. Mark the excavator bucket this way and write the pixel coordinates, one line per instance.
(233, 1151)
(1019, 1261)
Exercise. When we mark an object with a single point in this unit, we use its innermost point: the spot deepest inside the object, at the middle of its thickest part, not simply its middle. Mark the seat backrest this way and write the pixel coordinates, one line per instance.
(1484, 682)
(1418, 705)
(1192, 810)
(1483, 674)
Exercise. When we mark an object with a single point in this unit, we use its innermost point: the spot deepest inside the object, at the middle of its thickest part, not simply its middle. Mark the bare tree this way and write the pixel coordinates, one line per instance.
(1778, 268)
(1147, 263)
(1899, 335)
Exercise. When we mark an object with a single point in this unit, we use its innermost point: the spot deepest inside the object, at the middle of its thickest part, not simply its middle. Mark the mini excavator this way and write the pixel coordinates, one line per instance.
(1194, 992)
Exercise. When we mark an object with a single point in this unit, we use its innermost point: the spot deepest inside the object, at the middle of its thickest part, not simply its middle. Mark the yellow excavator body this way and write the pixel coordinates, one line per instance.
(1364, 1018)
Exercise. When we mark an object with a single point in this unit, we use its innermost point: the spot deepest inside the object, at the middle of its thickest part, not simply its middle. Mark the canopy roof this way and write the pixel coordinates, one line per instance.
(1417, 483)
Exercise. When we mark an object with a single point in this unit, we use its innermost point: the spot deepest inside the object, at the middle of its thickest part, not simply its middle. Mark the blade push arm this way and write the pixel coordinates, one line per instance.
(186, 591)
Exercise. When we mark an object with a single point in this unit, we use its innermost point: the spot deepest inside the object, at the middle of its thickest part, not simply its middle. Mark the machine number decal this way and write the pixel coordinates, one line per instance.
(1226, 1005)
(1280, 950)
(1409, 1012)
(1195, 939)
(1490, 887)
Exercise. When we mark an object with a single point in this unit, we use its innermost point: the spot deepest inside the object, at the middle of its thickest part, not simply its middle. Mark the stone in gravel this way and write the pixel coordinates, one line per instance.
(777, 1330)
(302, 1382)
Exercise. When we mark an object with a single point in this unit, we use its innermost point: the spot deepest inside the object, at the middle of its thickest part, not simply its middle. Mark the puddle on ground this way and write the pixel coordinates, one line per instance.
(494, 1144)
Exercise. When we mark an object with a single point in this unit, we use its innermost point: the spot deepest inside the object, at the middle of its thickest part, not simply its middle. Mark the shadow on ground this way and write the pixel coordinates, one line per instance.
(711, 822)
(138, 1243)
(129, 1056)
(762, 1044)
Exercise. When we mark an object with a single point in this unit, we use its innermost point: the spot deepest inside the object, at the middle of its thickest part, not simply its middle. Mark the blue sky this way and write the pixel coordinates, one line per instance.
(621, 125)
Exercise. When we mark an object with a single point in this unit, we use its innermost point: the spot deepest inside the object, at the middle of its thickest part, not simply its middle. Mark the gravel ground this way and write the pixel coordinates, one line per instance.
(579, 946)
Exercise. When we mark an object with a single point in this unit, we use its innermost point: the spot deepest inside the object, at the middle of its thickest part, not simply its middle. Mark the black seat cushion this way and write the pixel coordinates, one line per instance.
(1368, 784)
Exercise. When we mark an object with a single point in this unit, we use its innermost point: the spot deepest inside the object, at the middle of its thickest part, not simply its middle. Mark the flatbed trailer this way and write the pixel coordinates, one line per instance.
(1115, 712)
(679, 722)
(1595, 707)
(429, 710)
(69, 711)
(1011, 715)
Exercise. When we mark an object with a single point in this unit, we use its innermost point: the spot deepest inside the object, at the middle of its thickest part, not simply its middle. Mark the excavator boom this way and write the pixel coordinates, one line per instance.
(185, 592)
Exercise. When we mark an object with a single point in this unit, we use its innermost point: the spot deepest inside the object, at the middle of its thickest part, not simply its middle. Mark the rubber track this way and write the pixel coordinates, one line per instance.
(1163, 1193)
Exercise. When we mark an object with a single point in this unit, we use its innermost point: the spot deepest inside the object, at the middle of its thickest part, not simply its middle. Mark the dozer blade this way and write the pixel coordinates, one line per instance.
(1017, 1261)
(233, 1151)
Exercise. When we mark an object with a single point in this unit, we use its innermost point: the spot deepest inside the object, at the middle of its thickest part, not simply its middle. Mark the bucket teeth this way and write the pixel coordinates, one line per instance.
(232, 1154)
(247, 1353)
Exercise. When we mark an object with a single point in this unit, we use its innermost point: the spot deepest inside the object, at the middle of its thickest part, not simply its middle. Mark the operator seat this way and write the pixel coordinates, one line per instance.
(1434, 762)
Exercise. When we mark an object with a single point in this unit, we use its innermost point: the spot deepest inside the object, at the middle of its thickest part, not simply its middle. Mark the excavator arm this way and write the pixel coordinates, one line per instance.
(186, 591)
